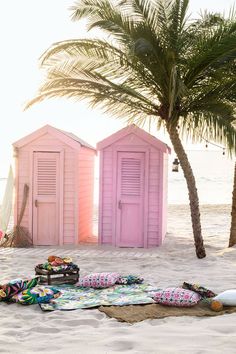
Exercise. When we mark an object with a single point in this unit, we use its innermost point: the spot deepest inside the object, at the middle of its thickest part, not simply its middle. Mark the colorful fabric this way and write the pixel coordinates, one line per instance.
(129, 279)
(204, 292)
(7, 291)
(56, 264)
(55, 260)
(36, 295)
(57, 268)
(98, 280)
(73, 298)
(178, 297)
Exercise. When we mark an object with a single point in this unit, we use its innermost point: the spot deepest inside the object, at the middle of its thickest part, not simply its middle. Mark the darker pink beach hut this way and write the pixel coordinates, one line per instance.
(58, 167)
(133, 189)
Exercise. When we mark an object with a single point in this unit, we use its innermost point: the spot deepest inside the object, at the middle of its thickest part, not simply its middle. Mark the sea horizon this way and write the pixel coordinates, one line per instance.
(212, 170)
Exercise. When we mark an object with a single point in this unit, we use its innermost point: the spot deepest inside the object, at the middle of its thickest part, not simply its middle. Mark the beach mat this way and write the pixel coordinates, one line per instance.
(138, 313)
(73, 297)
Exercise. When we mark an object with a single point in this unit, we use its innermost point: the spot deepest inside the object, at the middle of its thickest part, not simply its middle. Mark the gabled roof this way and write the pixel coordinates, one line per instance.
(68, 138)
(76, 138)
(134, 129)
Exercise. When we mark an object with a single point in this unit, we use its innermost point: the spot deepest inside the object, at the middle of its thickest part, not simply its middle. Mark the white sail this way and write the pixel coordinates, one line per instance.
(6, 205)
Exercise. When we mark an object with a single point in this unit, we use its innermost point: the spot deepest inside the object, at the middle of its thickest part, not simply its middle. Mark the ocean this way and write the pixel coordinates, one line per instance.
(214, 178)
(214, 174)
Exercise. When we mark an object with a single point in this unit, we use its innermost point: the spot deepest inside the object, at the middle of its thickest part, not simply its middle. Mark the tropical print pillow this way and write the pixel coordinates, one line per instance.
(36, 295)
(98, 280)
(7, 291)
(178, 297)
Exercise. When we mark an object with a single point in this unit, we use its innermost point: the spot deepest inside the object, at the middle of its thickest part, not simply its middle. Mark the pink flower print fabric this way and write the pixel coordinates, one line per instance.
(98, 280)
(178, 297)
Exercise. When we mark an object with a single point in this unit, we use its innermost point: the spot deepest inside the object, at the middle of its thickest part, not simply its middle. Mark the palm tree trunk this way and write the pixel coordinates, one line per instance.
(232, 238)
(192, 190)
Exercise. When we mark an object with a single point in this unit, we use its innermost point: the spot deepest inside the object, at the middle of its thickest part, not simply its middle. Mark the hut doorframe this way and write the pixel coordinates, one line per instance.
(146, 151)
(61, 188)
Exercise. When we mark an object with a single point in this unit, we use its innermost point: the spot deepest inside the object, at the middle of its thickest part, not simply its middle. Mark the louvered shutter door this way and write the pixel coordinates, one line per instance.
(46, 198)
(130, 194)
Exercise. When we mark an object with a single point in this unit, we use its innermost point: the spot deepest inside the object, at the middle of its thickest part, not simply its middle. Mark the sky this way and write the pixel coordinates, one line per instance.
(28, 28)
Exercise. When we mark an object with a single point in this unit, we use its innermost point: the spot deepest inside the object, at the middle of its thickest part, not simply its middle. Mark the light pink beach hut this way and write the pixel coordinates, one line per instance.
(133, 189)
(59, 170)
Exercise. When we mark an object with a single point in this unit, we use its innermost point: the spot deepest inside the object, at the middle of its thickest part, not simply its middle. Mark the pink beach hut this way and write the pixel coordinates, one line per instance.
(133, 189)
(58, 167)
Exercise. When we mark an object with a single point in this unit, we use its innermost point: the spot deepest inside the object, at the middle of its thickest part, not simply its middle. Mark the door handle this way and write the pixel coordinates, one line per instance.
(119, 204)
(36, 203)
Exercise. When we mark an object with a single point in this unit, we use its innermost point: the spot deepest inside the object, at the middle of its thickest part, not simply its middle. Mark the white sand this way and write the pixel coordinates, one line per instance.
(26, 329)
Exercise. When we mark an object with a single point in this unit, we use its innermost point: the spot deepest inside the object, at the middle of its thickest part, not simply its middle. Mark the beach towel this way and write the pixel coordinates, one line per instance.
(73, 298)
(138, 313)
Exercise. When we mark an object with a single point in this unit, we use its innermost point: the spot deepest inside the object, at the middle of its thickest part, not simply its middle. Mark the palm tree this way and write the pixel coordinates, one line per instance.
(153, 63)
(210, 21)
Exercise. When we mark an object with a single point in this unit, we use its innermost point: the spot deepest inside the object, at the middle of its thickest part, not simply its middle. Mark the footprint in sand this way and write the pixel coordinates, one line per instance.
(223, 329)
(113, 323)
(99, 316)
(120, 346)
(18, 335)
(10, 325)
(45, 349)
(4, 267)
(84, 322)
(45, 330)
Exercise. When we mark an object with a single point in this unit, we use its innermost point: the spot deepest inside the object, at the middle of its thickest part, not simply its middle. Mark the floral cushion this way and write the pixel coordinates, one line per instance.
(7, 291)
(176, 297)
(36, 295)
(98, 280)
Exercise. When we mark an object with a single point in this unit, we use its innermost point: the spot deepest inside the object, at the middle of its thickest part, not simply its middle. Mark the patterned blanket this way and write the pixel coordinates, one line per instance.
(73, 298)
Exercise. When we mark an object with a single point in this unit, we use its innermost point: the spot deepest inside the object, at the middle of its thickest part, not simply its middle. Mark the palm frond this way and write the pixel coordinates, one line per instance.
(213, 49)
(154, 64)
(93, 91)
(101, 53)
(201, 126)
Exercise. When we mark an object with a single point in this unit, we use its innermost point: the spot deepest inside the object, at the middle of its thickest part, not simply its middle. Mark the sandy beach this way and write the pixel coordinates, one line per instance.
(26, 329)
(117, 105)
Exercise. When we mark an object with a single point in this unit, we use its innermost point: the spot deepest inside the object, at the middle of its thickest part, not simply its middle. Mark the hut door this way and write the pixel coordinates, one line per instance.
(46, 198)
(130, 198)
